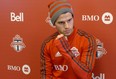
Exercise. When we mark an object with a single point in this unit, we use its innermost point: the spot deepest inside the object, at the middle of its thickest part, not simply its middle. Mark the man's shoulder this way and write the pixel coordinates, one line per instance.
(81, 32)
(50, 38)
(85, 35)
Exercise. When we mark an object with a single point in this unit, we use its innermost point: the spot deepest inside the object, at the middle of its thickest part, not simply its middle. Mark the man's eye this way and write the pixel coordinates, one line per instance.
(69, 20)
(61, 22)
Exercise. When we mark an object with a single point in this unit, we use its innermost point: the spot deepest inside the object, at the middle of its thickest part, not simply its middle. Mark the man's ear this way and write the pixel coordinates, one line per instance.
(48, 20)
(51, 24)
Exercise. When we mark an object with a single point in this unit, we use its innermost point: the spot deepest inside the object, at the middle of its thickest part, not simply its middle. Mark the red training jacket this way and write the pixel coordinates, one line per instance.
(68, 59)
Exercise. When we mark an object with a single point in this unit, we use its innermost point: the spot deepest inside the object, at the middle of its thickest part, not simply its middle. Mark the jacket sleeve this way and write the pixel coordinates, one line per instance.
(83, 66)
(45, 64)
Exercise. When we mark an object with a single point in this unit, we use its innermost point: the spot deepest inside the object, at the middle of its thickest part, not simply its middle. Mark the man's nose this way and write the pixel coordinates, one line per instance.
(66, 25)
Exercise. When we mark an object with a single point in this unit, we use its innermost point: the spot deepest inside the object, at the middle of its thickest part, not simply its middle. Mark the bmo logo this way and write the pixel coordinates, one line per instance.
(61, 67)
(13, 68)
(107, 18)
(90, 18)
(17, 17)
(25, 69)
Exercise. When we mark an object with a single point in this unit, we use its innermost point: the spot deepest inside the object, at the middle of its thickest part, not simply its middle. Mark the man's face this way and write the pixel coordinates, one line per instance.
(64, 24)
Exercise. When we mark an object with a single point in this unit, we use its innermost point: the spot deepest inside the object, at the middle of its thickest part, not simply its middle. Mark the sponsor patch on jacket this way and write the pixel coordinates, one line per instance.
(75, 51)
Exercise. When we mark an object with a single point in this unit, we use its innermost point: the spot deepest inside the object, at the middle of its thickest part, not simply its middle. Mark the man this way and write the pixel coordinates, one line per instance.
(69, 53)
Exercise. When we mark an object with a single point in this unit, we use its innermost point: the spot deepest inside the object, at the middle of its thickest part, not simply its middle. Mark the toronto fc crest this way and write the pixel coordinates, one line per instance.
(75, 51)
(17, 43)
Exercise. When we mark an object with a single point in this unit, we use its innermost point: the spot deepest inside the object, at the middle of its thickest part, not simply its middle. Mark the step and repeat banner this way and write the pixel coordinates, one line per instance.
(23, 29)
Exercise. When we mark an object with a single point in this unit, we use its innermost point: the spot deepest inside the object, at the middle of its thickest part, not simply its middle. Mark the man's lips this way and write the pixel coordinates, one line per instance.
(67, 31)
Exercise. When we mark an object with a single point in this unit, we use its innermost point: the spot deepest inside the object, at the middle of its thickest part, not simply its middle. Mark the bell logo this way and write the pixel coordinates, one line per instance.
(101, 76)
(107, 18)
(18, 18)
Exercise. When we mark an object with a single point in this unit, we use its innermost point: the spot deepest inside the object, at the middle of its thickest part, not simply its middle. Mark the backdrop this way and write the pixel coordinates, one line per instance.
(23, 28)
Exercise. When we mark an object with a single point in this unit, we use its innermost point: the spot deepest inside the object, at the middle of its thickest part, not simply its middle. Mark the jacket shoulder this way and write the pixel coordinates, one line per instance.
(49, 39)
(86, 36)
(83, 33)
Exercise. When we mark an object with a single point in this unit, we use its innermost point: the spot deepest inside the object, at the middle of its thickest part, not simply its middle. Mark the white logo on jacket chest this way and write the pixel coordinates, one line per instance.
(58, 54)
(75, 51)
(61, 67)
